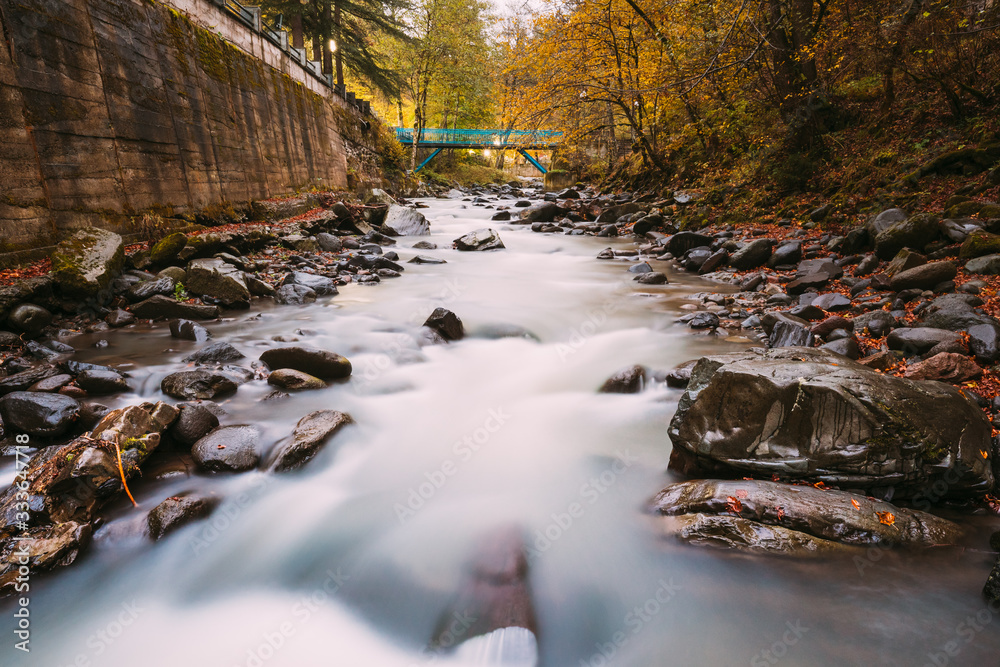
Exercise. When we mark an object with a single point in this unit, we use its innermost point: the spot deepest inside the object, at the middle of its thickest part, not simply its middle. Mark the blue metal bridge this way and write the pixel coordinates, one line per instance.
(518, 140)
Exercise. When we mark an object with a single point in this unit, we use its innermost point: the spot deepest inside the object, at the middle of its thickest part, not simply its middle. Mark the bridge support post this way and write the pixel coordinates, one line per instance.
(429, 158)
(532, 160)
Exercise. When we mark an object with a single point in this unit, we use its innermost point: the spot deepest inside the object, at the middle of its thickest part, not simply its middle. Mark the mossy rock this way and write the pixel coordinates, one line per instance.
(167, 248)
(964, 210)
(979, 244)
(915, 232)
(989, 211)
(84, 264)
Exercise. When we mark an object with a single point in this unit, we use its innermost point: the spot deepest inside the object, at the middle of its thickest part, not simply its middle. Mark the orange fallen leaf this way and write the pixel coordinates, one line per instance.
(820, 485)
(781, 513)
(855, 503)
(734, 504)
(985, 454)
(886, 518)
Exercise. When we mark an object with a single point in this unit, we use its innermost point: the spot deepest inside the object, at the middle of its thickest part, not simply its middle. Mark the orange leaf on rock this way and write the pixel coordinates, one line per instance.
(855, 503)
(734, 504)
(886, 518)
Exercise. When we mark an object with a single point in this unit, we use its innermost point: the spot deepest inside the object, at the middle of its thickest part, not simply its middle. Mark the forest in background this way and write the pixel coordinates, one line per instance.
(847, 99)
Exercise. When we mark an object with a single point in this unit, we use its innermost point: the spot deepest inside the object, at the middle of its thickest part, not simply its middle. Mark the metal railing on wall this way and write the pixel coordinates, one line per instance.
(276, 34)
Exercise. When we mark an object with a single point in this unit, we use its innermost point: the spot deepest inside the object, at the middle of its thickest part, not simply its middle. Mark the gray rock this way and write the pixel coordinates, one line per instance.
(681, 242)
(923, 277)
(310, 435)
(920, 340)
(403, 221)
(845, 347)
(218, 280)
(24, 379)
(165, 307)
(885, 220)
(188, 330)
(915, 232)
(479, 240)
(229, 449)
(543, 212)
(178, 511)
(101, 382)
(785, 254)
(289, 378)
(38, 414)
(984, 343)
(704, 320)
(789, 334)
(193, 423)
(653, 278)
(29, 319)
(753, 254)
(319, 363)
(808, 414)
(629, 380)
(118, 318)
(811, 520)
(877, 322)
(832, 302)
(329, 242)
(641, 267)
(294, 295)
(216, 353)
(446, 323)
(987, 264)
(86, 263)
(321, 285)
(147, 288)
(197, 384)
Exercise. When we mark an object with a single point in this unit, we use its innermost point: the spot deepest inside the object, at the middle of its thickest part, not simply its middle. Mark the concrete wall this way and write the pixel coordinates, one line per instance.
(112, 108)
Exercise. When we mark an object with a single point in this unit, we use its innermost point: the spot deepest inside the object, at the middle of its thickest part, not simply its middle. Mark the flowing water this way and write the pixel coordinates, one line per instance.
(354, 560)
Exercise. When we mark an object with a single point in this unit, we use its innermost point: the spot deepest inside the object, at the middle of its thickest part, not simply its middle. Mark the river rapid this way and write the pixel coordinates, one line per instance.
(354, 560)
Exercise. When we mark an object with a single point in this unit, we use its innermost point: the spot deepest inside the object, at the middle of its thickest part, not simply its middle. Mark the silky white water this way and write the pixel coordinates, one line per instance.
(354, 560)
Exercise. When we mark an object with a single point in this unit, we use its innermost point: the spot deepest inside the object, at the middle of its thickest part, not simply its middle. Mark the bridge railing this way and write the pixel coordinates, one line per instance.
(483, 138)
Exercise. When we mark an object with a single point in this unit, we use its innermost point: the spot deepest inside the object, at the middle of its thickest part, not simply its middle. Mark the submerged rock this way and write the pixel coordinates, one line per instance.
(229, 449)
(320, 363)
(809, 414)
(402, 221)
(177, 511)
(446, 323)
(481, 239)
(289, 378)
(626, 381)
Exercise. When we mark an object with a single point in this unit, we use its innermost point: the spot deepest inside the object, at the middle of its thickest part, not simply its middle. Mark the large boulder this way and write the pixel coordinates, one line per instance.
(30, 319)
(403, 221)
(229, 449)
(310, 435)
(754, 515)
(165, 307)
(809, 414)
(926, 276)
(178, 511)
(753, 254)
(481, 239)
(84, 264)
(543, 212)
(915, 232)
(321, 285)
(167, 248)
(198, 384)
(218, 280)
(319, 363)
(39, 414)
(979, 244)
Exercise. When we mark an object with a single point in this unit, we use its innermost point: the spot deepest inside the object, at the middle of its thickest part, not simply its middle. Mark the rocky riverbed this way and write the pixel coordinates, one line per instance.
(801, 448)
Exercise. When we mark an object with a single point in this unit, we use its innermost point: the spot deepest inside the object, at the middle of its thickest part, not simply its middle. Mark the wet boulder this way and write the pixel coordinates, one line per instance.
(681, 242)
(479, 240)
(220, 352)
(177, 511)
(193, 423)
(626, 381)
(403, 221)
(197, 384)
(914, 232)
(141, 291)
(289, 378)
(166, 307)
(29, 319)
(219, 281)
(809, 414)
(321, 285)
(543, 212)
(118, 318)
(85, 264)
(25, 379)
(320, 363)
(39, 414)
(945, 367)
(310, 435)
(47, 547)
(101, 382)
(229, 449)
(167, 248)
(761, 516)
(753, 254)
(294, 294)
(920, 340)
(188, 330)
(446, 323)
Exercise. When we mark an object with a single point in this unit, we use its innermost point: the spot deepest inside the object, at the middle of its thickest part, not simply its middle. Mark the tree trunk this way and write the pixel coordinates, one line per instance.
(338, 32)
(327, 29)
(298, 39)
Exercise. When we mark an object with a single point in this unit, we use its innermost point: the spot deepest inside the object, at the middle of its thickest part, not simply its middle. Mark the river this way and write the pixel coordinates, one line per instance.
(353, 560)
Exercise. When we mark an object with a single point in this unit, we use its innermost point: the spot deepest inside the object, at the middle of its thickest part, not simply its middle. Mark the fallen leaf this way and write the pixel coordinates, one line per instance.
(984, 453)
(886, 518)
(734, 504)
(781, 513)
(855, 503)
